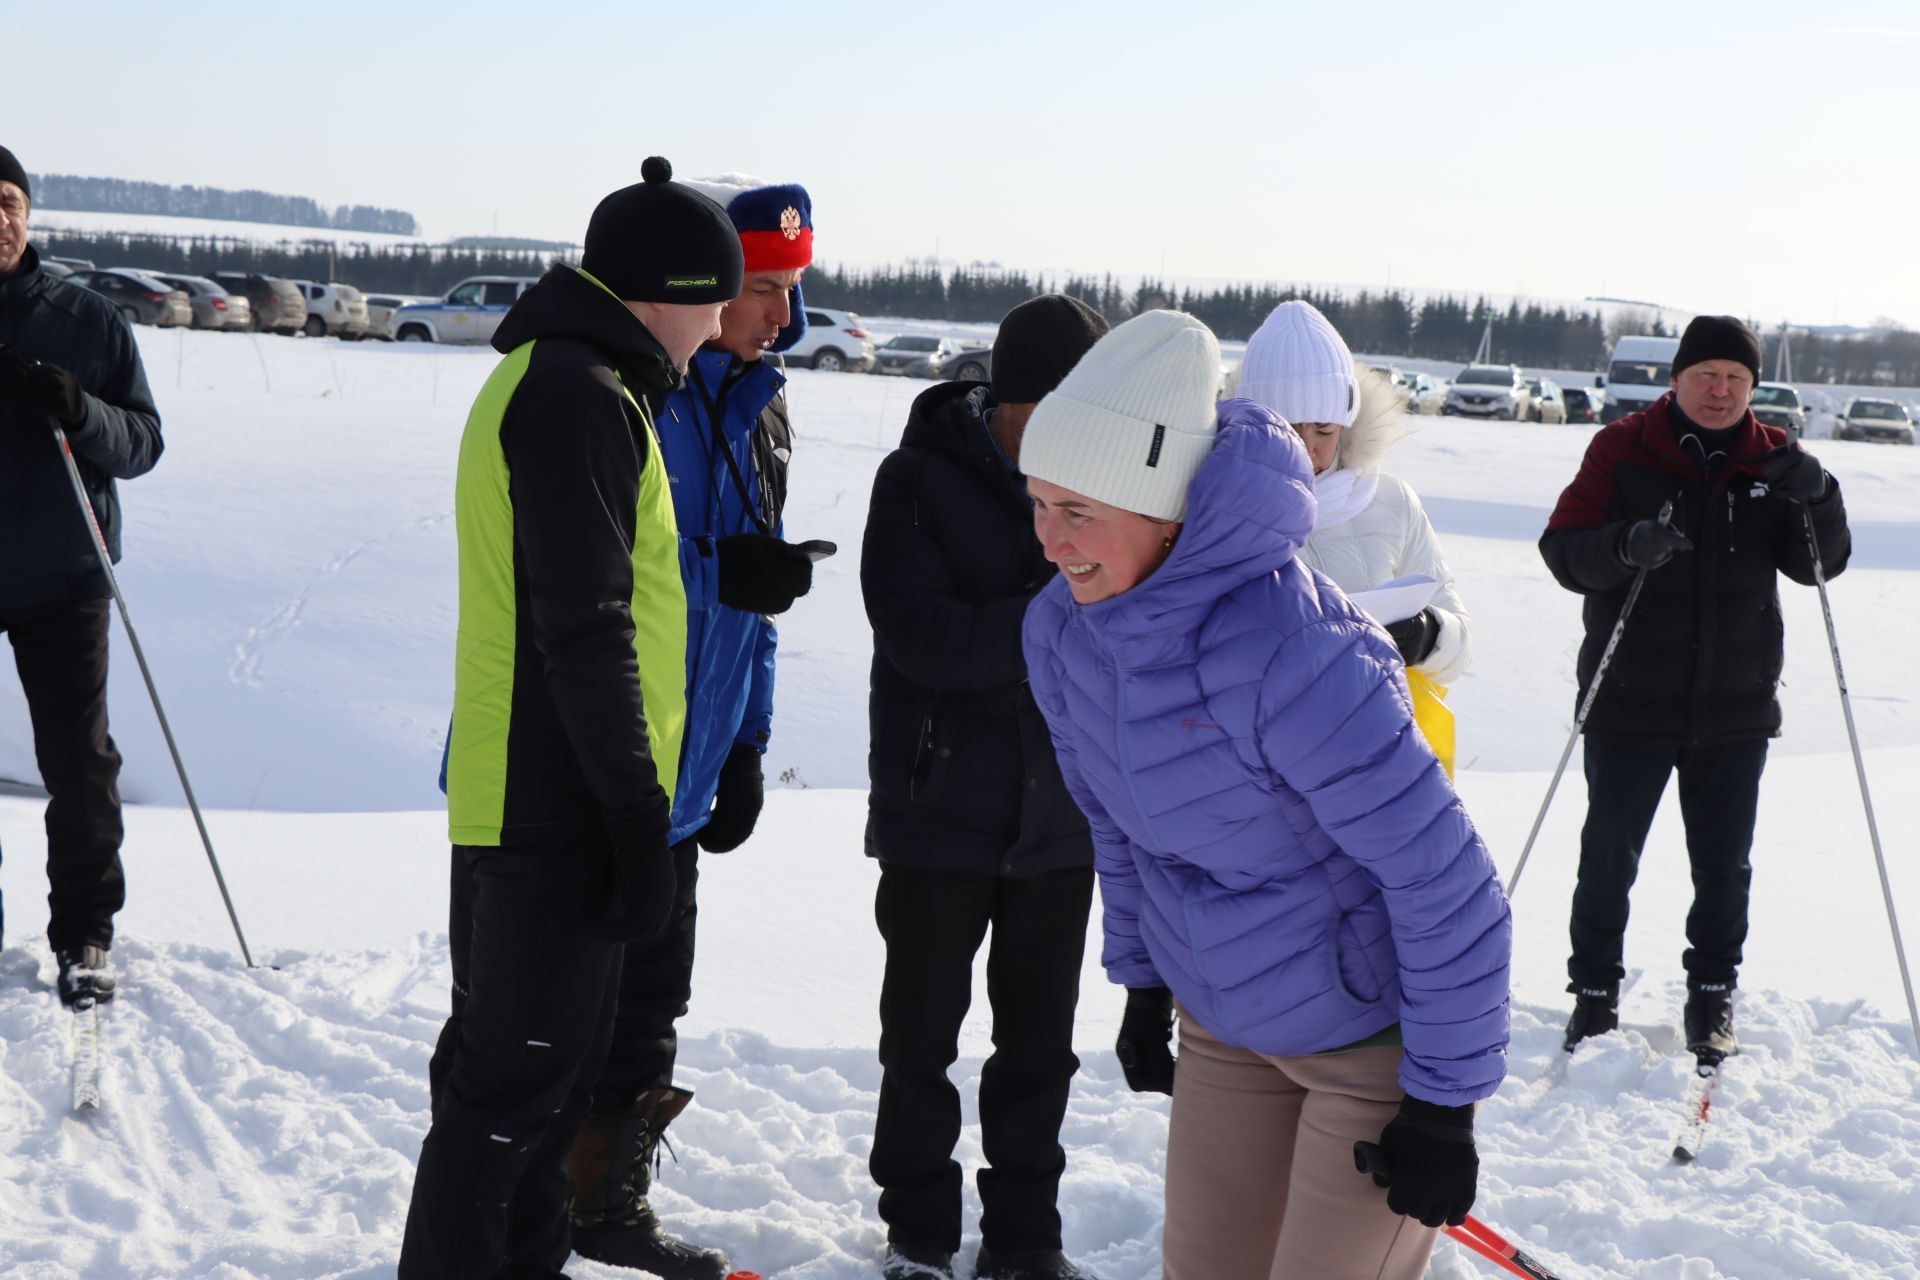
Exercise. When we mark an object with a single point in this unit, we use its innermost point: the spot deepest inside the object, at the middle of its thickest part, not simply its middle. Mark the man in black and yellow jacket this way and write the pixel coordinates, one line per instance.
(569, 709)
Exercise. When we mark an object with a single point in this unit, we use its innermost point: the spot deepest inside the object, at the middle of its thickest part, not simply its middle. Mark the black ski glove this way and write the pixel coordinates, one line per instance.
(736, 805)
(1648, 544)
(46, 387)
(761, 574)
(1427, 1162)
(644, 890)
(1416, 636)
(1146, 1038)
(1796, 473)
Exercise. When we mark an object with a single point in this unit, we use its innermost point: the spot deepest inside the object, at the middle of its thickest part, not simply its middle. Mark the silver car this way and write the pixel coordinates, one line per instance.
(914, 355)
(337, 309)
(1490, 391)
(213, 307)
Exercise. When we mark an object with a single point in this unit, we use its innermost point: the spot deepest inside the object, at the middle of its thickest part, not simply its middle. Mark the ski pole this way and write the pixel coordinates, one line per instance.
(1586, 705)
(1860, 769)
(1473, 1233)
(133, 638)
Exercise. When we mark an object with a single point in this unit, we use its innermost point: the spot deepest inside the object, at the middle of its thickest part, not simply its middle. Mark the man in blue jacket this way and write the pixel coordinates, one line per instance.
(725, 436)
(67, 359)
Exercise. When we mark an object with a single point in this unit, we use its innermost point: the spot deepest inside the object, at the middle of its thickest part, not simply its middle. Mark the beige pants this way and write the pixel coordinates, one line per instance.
(1260, 1176)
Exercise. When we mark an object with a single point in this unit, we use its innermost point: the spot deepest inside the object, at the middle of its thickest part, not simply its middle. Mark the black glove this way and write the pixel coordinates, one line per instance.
(1796, 473)
(1146, 1040)
(1416, 636)
(736, 805)
(644, 890)
(1648, 544)
(761, 574)
(46, 387)
(1427, 1162)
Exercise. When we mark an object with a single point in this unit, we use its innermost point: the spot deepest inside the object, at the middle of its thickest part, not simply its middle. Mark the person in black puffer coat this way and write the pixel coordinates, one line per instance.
(1691, 688)
(968, 816)
(67, 359)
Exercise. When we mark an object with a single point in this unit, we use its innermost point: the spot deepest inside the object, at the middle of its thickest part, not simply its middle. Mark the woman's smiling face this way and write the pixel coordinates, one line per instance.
(1101, 550)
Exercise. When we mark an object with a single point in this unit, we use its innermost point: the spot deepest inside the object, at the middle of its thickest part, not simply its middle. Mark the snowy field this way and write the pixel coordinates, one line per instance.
(290, 567)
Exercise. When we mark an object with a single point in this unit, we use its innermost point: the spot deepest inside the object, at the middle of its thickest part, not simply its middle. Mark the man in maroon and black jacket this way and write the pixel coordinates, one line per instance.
(1691, 686)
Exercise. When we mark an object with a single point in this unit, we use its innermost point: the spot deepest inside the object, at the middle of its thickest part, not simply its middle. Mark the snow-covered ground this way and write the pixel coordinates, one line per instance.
(290, 568)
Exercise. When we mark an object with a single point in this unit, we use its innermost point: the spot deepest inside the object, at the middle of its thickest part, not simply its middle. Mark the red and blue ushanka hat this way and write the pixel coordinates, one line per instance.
(775, 222)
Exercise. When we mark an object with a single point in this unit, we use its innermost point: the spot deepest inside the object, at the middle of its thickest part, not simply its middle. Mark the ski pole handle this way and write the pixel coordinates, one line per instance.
(1368, 1157)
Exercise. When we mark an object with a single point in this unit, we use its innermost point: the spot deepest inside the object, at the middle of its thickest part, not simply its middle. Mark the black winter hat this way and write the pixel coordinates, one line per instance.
(662, 241)
(1039, 343)
(1718, 338)
(10, 171)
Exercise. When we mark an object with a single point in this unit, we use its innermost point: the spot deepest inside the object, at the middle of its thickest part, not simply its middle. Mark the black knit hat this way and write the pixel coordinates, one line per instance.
(1039, 343)
(10, 171)
(662, 241)
(1718, 338)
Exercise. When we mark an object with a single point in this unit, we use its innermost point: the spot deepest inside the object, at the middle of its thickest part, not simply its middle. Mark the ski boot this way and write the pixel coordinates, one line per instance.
(1709, 1022)
(86, 976)
(1596, 1011)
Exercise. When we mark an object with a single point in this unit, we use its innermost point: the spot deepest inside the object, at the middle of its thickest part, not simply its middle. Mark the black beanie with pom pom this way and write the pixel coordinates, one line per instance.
(661, 241)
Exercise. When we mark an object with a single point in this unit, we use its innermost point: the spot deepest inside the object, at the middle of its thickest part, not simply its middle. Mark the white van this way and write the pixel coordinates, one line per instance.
(1640, 372)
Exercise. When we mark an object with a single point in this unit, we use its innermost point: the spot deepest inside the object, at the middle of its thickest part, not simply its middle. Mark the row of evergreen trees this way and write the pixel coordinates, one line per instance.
(1440, 328)
(118, 195)
(416, 269)
(1388, 322)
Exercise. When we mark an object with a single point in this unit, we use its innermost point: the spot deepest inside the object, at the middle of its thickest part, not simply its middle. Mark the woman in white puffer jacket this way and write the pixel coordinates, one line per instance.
(1371, 527)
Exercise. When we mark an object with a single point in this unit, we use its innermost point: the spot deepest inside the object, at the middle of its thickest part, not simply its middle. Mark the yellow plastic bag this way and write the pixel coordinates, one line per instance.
(1433, 715)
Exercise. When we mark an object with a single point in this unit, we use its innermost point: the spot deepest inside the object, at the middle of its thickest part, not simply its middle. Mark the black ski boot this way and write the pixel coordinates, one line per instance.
(86, 976)
(1709, 1022)
(913, 1262)
(612, 1164)
(1596, 1011)
(1027, 1264)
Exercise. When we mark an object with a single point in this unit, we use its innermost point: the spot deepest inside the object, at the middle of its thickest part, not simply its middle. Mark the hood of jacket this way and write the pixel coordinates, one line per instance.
(1249, 510)
(566, 304)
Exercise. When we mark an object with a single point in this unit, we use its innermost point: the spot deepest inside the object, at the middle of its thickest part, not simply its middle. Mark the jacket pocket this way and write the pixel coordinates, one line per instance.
(1350, 968)
(926, 749)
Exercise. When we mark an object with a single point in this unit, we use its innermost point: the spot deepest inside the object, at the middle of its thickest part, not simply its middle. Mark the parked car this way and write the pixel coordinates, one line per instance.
(914, 355)
(1549, 405)
(971, 363)
(58, 270)
(336, 309)
(1585, 404)
(1787, 411)
(1490, 391)
(213, 307)
(278, 306)
(380, 309)
(1398, 378)
(71, 264)
(835, 342)
(469, 313)
(140, 298)
(1870, 418)
(1425, 393)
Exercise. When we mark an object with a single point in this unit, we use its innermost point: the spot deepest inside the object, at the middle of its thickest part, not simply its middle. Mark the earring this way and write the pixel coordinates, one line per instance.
(1166, 543)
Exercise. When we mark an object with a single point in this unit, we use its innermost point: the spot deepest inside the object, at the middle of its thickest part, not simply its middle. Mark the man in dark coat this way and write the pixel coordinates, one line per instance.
(969, 818)
(1691, 688)
(67, 359)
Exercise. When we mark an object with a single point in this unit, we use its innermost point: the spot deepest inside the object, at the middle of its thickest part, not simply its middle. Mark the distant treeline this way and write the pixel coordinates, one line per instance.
(1387, 322)
(117, 195)
(415, 269)
(1440, 328)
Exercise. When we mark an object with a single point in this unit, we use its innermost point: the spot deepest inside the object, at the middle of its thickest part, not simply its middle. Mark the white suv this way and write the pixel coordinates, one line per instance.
(470, 312)
(338, 309)
(835, 342)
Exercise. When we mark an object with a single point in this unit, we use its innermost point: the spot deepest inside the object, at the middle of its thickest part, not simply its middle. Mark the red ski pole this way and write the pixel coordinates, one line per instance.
(1474, 1234)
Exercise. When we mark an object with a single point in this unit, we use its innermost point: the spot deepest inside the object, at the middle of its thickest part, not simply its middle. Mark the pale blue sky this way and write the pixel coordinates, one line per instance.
(1757, 157)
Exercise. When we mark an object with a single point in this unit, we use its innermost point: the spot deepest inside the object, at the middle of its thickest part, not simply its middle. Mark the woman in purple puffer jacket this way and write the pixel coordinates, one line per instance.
(1279, 851)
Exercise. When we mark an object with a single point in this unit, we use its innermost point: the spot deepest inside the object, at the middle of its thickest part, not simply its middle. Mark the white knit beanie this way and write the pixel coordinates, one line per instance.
(1132, 423)
(1298, 366)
